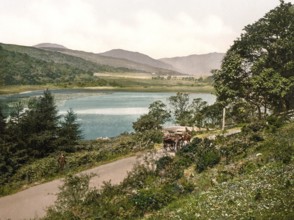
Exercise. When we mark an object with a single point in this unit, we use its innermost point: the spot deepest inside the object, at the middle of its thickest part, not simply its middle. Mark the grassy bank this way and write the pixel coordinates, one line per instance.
(248, 175)
(125, 82)
(24, 88)
(85, 155)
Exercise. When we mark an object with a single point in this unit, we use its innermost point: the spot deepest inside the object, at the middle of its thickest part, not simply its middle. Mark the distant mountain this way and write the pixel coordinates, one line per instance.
(119, 60)
(142, 64)
(50, 45)
(136, 57)
(198, 65)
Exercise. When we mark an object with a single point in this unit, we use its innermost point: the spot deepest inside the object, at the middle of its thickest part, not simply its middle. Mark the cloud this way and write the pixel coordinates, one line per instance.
(154, 34)
(88, 25)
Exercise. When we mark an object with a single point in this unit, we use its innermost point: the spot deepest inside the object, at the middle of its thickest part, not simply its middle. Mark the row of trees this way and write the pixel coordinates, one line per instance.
(181, 111)
(34, 132)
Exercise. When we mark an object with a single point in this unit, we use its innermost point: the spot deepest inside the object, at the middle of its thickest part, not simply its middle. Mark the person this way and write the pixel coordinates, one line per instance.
(61, 161)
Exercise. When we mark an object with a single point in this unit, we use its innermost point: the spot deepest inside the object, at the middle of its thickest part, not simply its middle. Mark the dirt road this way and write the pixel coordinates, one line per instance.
(32, 202)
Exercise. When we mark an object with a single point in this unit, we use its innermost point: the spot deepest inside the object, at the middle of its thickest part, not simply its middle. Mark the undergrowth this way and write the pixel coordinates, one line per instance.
(85, 155)
(244, 176)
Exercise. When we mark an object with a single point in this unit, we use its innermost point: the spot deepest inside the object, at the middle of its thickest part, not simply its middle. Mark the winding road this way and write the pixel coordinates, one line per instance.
(32, 203)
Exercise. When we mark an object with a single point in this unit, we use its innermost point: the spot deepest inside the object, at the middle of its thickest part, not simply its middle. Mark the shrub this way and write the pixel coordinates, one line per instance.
(254, 127)
(203, 152)
(151, 199)
(69, 203)
(207, 158)
(275, 122)
(137, 178)
(162, 163)
(188, 153)
(282, 144)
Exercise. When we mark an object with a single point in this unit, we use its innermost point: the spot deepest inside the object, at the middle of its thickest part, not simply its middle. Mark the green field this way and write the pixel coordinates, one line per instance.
(127, 82)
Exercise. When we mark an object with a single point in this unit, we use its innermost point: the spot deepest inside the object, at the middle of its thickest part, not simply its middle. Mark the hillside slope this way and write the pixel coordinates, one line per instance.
(21, 69)
(116, 62)
(49, 45)
(21, 65)
(234, 177)
(136, 57)
(49, 55)
(198, 65)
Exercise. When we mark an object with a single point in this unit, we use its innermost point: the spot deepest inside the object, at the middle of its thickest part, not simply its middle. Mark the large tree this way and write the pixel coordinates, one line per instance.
(259, 66)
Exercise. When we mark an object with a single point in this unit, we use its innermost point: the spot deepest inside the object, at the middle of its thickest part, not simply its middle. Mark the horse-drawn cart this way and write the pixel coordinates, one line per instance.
(174, 141)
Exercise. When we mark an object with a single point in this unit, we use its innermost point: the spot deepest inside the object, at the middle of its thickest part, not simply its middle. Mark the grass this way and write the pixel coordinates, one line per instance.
(125, 82)
(88, 154)
(23, 88)
(266, 193)
(39, 168)
(213, 133)
(257, 184)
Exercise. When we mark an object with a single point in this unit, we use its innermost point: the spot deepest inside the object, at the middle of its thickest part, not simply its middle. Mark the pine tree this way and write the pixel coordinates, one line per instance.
(70, 132)
(39, 125)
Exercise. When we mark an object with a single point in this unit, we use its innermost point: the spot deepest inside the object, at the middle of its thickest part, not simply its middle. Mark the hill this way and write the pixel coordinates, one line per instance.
(21, 65)
(145, 64)
(52, 55)
(198, 65)
(136, 57)
(49, 45)
(21, 69)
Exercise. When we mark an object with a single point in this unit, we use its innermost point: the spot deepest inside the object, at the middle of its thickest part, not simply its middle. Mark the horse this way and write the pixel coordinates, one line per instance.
(176, 142)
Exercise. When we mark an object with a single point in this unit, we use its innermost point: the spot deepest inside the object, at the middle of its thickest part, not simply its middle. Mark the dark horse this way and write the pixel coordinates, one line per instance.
(176, 142)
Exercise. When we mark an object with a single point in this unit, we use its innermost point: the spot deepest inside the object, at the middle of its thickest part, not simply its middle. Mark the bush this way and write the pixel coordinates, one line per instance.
(203, 152)
(254, 127)
(207, 158)
(282, 144)
(148, 138)
(188, 153)
(73, 194)
(162, 163)
(137, 178)
(151, 199)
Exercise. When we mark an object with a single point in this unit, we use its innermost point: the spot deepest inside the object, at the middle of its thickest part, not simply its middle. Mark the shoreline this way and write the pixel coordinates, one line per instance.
(23, 89)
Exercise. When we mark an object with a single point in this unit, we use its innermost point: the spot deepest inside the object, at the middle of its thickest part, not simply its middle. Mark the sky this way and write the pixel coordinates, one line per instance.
(158, 28)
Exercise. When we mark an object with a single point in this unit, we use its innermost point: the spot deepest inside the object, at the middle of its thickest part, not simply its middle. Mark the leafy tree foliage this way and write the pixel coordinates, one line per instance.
(148, 126)
(259, 67)
(197, 110)
(180, 105)
(155, 118)
(196, 113)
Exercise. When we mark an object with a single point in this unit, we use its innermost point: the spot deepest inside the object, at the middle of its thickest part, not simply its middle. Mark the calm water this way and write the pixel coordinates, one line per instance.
(108, 114)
